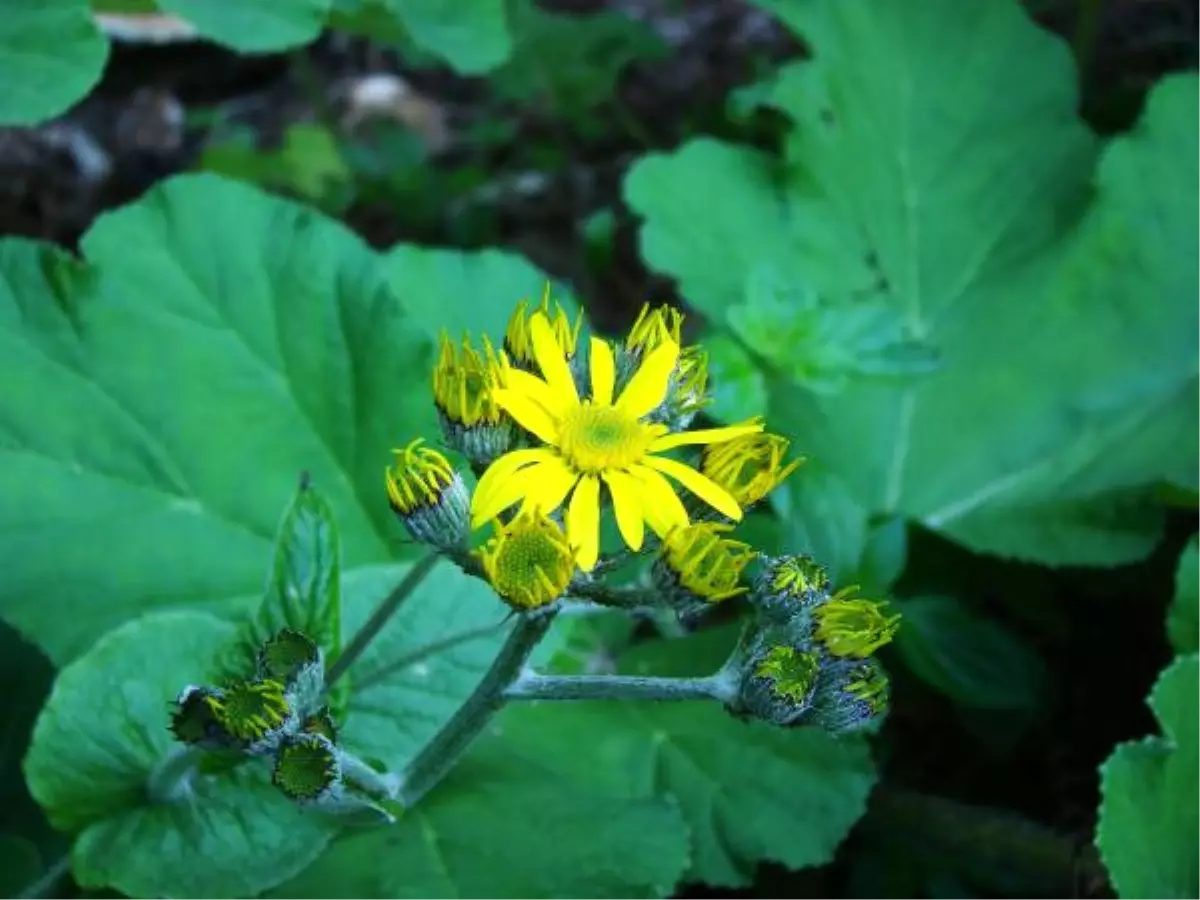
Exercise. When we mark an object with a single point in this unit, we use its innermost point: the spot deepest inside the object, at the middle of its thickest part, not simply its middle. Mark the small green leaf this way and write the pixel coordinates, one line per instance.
(303, 588)
(970, 659)
(1183, 618)
(51, 54)
(103, 735)
(254, 26)
(1148, 828)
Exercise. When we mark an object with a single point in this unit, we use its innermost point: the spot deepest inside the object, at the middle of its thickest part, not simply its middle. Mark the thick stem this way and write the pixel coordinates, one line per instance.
(446, 747)
(531, 686)
(380, 617)
(171, 779)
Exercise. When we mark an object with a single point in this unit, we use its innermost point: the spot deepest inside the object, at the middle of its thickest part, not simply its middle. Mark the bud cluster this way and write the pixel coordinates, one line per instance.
(808, 657)
(280, 714)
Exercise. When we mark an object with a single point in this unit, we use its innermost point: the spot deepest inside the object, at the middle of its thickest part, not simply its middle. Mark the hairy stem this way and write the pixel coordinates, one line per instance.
(443, 751)
(532, 686)
(380, 617)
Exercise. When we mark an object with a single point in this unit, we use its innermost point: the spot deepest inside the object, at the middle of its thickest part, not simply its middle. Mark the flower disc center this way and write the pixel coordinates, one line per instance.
(599, 438)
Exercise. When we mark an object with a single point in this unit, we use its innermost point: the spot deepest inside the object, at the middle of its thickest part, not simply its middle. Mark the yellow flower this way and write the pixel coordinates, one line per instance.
(706, 565)
(597, 440)
(528, 562)
(849, 626)
(518, 337)
(655, 327)
(749, 467)
(463, 381)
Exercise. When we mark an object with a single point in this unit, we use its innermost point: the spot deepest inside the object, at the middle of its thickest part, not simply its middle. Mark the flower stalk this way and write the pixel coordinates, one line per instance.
(443, 751)
(721, 687)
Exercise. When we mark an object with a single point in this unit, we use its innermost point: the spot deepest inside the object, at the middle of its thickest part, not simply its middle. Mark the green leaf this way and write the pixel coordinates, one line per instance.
(303, 589)
(1148, 831)
(971, 659)
(823, 345)
(737, 386)
(461, 292)
(254, 26)
(400, 702)
(472, 37)
(884, 555)
(1183, 618)
(164, 396)
(51, 54)
(104, 733)
(823, 519)
(748, 792)
(978, 223)
(533, 836)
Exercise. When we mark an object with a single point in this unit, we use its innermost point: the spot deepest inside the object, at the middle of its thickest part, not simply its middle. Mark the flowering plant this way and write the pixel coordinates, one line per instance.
(559, 435)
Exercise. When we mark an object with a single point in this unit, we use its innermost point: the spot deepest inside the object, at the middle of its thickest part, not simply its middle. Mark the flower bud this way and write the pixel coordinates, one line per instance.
(429, 496)
(255, 714)
(194, 722)
(528, 562)
(293, 658)
(307, 768)
(472, 422)
(788, 585)
(853, 627)
(748, 467)
(518, 337)
(778, 683)
(851, 696)
(698, 567)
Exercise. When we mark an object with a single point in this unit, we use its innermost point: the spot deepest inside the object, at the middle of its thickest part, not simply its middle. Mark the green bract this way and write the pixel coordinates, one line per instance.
(969, 235)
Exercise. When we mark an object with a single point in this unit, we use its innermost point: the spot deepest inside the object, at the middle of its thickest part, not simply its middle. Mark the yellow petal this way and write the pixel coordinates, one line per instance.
(534, 388)
(583, 522)
(502, 494)
(706, 435)
(603, 372)
(627, 505)
(548, 485)
(552, 361)
(662, 507)
(530, 414)
(648, 386)
(700, 485)
(497, 474)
